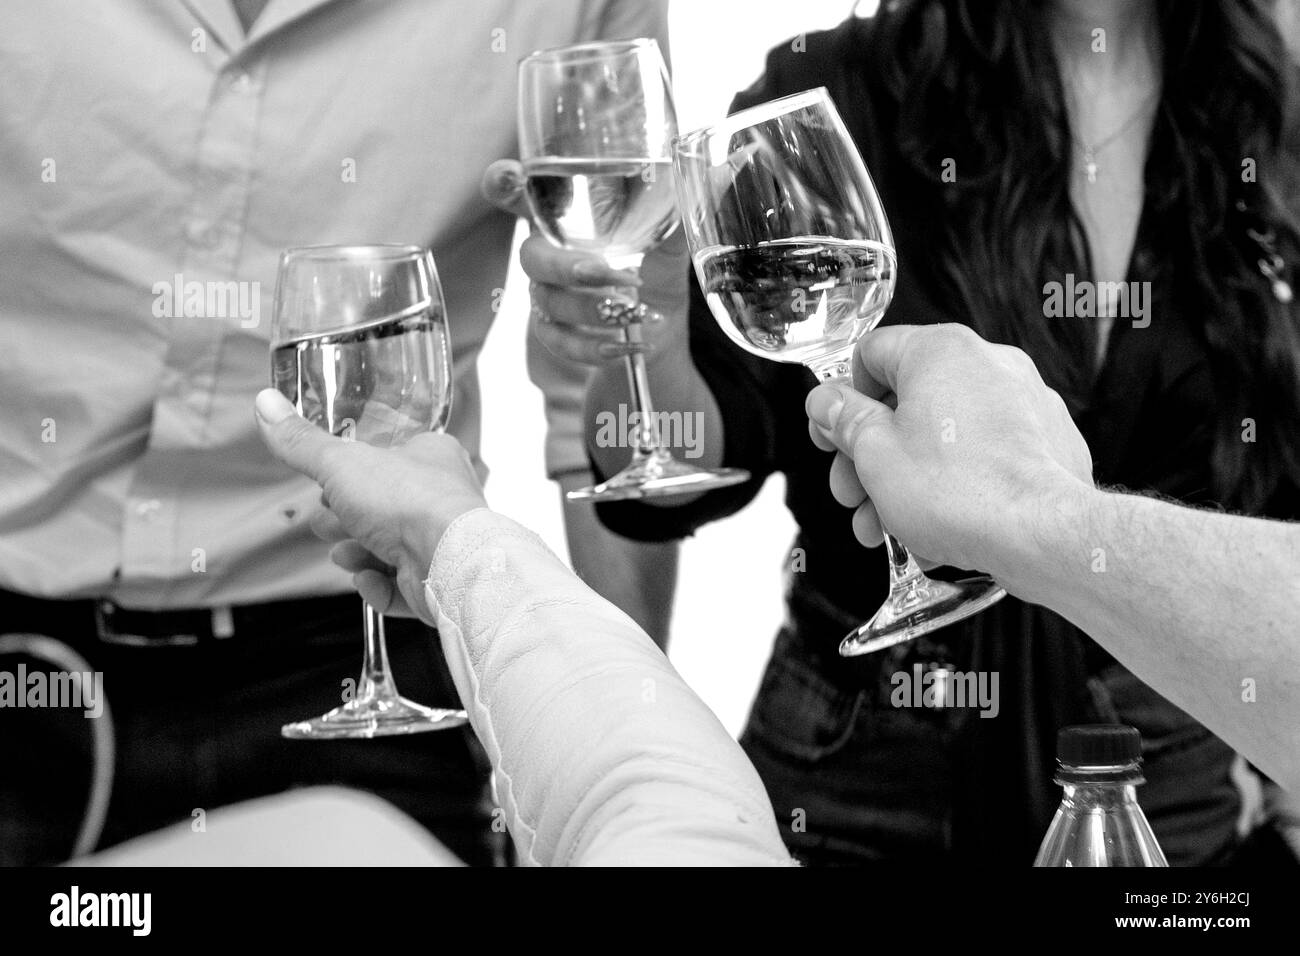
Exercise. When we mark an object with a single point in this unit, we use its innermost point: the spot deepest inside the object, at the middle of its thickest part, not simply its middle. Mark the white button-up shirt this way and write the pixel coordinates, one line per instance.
(151, 148)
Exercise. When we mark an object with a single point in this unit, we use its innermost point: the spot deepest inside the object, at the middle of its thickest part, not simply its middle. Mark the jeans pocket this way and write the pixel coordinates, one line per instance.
(798, 713)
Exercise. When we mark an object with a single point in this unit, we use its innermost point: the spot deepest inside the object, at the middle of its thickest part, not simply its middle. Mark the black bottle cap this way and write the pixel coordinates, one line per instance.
(1098, 745)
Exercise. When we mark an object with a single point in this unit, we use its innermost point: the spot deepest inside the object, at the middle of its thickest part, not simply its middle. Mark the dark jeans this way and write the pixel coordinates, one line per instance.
(198, 727)
(855, 780)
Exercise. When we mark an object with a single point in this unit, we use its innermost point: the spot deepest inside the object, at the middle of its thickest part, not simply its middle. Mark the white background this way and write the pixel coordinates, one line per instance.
(729, 585)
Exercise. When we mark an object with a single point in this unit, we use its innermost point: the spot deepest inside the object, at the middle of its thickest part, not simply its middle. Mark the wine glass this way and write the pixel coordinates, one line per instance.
(596, 124)
(359, 345)
(795, 257)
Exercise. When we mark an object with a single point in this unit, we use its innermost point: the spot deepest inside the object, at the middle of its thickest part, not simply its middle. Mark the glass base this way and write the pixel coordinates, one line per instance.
(377, 717)
(923, 606)
(657, 476)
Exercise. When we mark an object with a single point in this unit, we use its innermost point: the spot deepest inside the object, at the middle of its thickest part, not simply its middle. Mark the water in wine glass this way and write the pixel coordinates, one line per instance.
(359, 344)
(806, 299)
(794, 253)
(596, 124)
(613, 207)
(379, 383)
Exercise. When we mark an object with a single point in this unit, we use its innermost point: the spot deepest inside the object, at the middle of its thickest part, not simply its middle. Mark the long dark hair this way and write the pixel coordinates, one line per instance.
(1229, 96)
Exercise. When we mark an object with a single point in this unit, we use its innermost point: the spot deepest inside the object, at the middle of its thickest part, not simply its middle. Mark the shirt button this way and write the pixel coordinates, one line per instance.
(241, 82)
(202, 234)
(148, 509)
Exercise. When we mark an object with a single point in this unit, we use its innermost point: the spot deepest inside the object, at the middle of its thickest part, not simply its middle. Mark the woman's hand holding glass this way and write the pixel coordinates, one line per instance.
(386, 509)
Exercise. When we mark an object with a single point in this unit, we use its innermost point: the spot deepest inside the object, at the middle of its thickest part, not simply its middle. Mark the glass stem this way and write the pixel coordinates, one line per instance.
(904, 573)
(376, 683)
(648, 439)
(625, 308)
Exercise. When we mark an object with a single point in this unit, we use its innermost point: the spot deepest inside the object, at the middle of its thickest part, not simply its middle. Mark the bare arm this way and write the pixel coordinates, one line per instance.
(978, 465)
(1204, 607)
(639, 577)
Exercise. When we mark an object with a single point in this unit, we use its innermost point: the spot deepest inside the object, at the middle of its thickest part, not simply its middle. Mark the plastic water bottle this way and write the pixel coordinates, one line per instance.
(1099, 822)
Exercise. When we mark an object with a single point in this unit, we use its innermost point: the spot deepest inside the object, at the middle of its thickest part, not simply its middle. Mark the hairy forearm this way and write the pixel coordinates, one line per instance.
(1202, 606)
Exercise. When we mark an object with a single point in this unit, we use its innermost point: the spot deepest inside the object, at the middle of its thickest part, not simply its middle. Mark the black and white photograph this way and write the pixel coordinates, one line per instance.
(650, 433)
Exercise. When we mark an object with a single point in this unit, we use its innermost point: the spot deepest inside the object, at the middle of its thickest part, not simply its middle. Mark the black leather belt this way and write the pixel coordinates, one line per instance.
(111, 624)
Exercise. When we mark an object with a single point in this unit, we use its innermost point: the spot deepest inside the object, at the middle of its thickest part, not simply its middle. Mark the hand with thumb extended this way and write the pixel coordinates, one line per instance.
(947, 440)
(386, 508)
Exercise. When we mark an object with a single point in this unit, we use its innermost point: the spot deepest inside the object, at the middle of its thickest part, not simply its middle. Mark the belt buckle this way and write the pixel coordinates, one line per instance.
(108, 634)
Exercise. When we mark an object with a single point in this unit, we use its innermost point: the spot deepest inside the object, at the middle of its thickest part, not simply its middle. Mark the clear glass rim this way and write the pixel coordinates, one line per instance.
(358, 255)
(752, 116)
(354, 252)
(584, 52)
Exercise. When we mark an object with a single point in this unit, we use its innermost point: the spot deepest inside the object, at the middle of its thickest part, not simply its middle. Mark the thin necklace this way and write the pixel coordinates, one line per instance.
(1090, 151)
